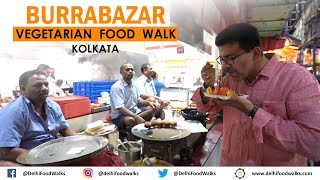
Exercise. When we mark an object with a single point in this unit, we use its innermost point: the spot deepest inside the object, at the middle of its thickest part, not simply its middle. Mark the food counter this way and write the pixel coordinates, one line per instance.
(204, 147)
(80, 123)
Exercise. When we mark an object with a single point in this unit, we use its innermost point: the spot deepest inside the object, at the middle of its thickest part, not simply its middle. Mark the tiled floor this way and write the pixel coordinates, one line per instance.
(214, 157)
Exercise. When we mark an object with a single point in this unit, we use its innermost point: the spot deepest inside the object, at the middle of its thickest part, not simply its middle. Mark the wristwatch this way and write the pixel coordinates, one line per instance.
(253, 111)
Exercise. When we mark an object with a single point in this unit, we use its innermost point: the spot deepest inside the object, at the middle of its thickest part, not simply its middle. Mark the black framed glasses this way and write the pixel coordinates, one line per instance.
(229, 60)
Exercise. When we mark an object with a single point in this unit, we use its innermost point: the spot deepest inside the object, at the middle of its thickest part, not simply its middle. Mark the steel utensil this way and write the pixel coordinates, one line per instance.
(132, 148)
(129, 156)
(124, 147)
(58, 152)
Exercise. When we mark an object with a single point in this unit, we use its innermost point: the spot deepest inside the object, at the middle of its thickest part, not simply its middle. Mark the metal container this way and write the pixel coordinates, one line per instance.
(57, 152)
(129, 156)
(168, 113)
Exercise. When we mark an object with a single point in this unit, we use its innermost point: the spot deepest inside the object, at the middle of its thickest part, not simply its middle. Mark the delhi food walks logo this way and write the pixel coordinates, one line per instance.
(240, 173)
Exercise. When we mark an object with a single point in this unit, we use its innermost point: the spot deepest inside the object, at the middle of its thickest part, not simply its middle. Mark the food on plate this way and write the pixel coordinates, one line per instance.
(166, 123)
(159, 123)
(147, 124)
(223, 91)
(173, 123)
(153, 122)
(95, 125)
(98, 127)
(96, 131)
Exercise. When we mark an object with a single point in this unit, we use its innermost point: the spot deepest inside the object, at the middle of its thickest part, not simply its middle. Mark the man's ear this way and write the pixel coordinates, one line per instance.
(257, 51)
(22, 88)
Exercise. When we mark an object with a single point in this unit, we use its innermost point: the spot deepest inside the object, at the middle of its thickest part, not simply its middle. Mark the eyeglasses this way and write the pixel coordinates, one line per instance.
(230, 60)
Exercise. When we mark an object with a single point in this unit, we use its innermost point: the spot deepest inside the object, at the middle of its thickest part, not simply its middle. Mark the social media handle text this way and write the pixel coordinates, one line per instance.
(44, 173)
(118, 173)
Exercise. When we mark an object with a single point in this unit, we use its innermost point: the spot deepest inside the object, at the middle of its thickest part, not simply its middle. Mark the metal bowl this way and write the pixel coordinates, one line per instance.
(194, 114)
(58, 152)
(129, 156)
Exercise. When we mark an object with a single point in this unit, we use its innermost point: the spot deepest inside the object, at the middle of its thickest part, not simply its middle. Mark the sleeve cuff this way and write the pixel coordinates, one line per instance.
(9, 144)
(119, 106)
(260, 120)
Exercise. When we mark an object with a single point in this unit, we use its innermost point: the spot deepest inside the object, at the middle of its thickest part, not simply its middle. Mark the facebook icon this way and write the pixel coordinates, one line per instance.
(11, 173)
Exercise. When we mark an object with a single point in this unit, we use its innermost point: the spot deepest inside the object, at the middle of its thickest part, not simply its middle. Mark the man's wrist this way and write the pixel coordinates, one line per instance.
(253, 111)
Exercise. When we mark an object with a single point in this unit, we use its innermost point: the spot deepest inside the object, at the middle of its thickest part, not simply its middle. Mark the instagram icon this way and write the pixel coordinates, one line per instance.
(87, 173)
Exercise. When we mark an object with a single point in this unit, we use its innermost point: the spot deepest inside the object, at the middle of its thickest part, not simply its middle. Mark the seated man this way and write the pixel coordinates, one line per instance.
(125, 98)
(32, 119)
(47, 72)
(147, 88)
(56, 88)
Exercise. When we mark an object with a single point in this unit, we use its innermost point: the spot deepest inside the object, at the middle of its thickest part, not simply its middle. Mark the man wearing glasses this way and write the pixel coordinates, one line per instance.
(279, 123)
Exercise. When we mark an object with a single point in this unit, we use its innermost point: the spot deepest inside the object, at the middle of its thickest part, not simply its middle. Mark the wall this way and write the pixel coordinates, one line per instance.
(170, 65)
(14, 60)
(107, 66)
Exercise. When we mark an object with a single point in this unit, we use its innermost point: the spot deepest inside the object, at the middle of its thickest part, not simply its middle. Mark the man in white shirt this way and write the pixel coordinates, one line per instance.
(147, 89)
(47, 71)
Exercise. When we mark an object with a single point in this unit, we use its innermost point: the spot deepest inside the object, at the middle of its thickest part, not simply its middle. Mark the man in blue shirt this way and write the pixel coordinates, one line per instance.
(125, 98)
(157, 84)
(148, 91)
(31, 119)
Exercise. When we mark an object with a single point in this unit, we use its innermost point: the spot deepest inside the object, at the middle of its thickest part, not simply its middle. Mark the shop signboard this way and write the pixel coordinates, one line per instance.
(180, 50)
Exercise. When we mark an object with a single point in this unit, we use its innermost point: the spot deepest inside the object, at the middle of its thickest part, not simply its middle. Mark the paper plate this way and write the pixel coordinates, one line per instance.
(222, 97)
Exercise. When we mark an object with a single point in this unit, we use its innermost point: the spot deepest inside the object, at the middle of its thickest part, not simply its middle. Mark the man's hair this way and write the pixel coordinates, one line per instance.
(246, 34)
(59, 82)
(122, 66)
(144, 67)
(23, 80)
(43, 67)
(153, 74)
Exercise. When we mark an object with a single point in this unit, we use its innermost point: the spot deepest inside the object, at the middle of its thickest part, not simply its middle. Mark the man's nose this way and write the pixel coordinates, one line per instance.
(44, 88)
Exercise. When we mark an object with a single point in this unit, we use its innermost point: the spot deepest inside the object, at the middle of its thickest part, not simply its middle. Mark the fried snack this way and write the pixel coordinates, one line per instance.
(173, 123)
(153, 122)
(147, 124)
(231, 93)
(159, 123)
(223, 91)
(166, 123)
(209, 90)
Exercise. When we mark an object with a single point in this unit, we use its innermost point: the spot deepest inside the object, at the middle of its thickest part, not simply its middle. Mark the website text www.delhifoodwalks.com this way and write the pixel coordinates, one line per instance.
(282, 173)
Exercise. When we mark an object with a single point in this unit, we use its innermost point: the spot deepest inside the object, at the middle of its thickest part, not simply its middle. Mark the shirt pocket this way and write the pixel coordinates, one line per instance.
(277, 108)
(54, 128)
